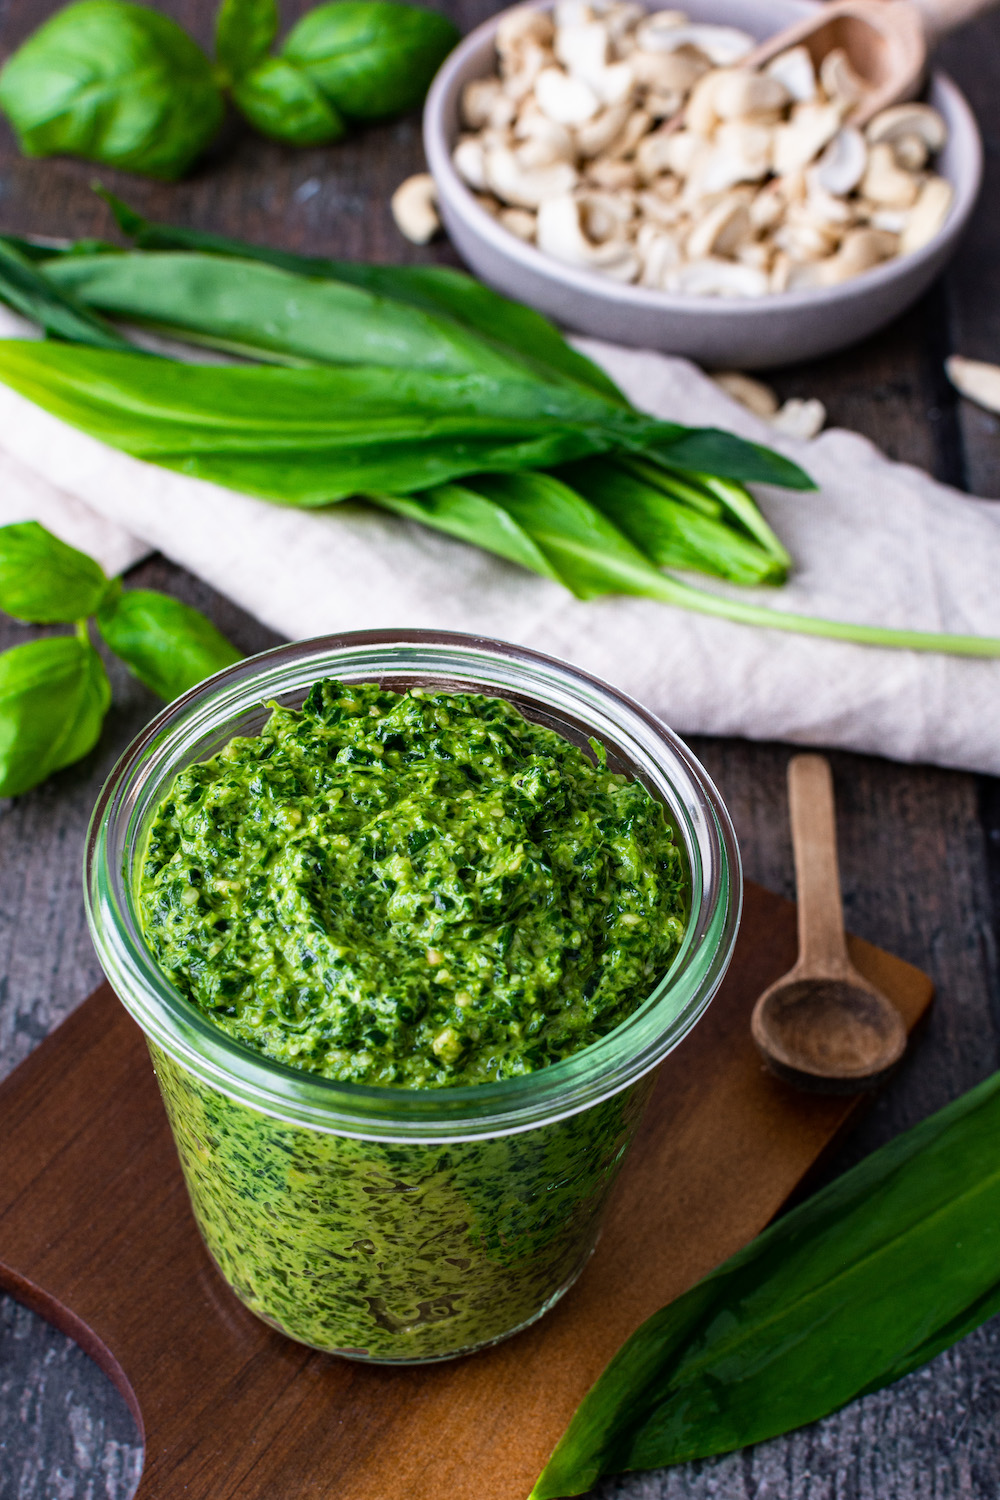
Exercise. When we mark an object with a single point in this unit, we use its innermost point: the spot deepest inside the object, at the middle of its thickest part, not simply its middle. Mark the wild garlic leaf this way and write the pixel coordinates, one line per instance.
(371, 58)
(861, 1284)
(313, 436)
(115, 83)
(460, 512)
(26, 288)
(667, 531)
(436, 289)
(244, 32)
(710, 450)
(588, 552)
(272, 314)
(167, 644)
(43, 579)
(54, 694)
(285, 104)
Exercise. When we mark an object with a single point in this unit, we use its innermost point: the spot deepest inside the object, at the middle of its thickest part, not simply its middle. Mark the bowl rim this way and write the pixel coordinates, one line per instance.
(456, 196)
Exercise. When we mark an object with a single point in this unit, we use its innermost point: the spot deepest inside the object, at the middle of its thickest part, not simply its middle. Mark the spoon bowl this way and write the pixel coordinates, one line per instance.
(828, 1035)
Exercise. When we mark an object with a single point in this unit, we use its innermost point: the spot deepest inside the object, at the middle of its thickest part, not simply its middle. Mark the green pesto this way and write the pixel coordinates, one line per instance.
(417, 890)
(395, 1250)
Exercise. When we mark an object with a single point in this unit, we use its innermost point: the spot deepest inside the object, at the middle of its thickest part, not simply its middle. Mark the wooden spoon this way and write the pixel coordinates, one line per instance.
(886, 41)
(823, 1026)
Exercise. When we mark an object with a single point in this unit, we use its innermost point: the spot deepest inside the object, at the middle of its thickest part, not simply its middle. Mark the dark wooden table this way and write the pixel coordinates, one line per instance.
(920, 847)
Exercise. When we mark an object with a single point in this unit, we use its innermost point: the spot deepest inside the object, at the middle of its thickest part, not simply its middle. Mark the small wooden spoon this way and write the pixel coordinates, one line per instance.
(823, 1026)
(886, 41)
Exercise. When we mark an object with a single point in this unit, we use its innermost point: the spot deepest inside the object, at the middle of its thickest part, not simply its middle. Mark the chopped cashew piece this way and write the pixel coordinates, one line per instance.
(975, 379)
(414, 208)
(753, 394)
(800, 419)
(640, 146)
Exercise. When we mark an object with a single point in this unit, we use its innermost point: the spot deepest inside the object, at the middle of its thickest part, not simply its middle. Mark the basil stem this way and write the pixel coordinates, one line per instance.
(863, 1283)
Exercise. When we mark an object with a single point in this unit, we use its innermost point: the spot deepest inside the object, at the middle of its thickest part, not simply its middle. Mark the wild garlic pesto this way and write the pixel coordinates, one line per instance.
(419, 889)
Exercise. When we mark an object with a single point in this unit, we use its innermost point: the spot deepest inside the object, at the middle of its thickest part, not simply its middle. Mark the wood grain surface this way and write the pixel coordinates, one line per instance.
(97, 1236)
(920, 848)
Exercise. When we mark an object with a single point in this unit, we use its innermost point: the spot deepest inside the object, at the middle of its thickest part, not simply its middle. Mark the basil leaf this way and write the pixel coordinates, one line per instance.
(860, 1285)
(167, 644)
(371, 57)
(244, 31)
(53, 697)
(44, 580)
(30, 292)
(284, 103)
(115, 83)
(259, 310)
(666, 529)
(316, 435)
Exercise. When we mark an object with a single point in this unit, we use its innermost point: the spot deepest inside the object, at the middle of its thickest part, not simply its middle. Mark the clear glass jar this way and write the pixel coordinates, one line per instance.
(404, 1225)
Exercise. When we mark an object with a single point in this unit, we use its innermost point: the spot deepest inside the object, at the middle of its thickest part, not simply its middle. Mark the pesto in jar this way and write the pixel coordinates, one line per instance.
(416, 889)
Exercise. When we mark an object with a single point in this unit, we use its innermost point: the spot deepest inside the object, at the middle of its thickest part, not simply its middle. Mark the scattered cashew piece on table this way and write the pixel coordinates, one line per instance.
(976, 379)
(414, 208)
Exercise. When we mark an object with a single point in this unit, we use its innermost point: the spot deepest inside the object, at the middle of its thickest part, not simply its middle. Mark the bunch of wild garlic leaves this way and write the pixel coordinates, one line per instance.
(414, 388)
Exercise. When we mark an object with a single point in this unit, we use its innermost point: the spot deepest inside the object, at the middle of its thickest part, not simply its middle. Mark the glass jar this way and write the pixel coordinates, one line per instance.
(386, 1224)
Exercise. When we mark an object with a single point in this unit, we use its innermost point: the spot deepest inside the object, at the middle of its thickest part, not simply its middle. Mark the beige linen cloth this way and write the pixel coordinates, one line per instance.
(880, 543)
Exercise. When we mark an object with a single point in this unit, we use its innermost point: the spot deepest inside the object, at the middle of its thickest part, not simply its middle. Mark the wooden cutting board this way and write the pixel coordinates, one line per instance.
(97, 1236)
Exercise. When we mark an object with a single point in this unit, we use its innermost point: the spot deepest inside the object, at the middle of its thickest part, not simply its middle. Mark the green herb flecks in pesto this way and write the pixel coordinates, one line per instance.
(417, 889)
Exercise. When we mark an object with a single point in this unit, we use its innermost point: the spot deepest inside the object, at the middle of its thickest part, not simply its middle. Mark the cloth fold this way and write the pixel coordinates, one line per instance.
(881, 543)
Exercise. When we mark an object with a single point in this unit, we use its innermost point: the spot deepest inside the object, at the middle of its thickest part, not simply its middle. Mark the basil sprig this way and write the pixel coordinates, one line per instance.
(54, 693)
(862, 1284)
(119, 84)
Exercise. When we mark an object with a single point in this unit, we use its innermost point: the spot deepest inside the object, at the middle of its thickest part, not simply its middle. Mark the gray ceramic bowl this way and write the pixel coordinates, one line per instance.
(722, 333)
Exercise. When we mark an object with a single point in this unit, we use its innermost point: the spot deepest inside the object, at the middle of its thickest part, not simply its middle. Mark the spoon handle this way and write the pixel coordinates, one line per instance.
(941, 16)
(822, 946)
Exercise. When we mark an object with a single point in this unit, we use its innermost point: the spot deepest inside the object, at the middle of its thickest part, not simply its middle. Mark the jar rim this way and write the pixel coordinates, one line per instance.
(548, 690)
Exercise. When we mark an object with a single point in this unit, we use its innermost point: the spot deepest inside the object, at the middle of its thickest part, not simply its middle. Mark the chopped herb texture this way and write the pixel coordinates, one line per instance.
(416, 890)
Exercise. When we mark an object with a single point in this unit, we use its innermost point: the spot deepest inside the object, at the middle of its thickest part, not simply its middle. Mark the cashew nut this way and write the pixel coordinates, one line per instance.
(414, 208)
(761, 186)
(885, 182)
(927, 215)
(909, 119)
(843, 163)
(975, 379)
(522, 186)
(564, 231)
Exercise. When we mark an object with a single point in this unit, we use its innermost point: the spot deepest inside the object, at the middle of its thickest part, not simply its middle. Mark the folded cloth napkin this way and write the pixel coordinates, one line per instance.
(881, 543)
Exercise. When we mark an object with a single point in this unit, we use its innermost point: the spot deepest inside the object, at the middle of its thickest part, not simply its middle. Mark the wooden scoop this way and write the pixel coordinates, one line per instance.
(886, 42)
(823, 1026)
